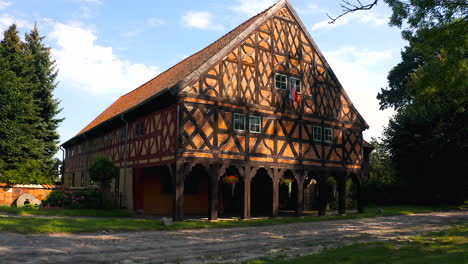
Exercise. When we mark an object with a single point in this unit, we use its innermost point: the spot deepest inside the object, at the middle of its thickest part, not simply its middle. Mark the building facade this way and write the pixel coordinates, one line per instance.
(260, 104)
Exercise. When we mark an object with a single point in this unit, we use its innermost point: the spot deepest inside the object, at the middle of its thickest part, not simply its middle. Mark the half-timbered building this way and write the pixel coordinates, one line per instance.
(260, 106)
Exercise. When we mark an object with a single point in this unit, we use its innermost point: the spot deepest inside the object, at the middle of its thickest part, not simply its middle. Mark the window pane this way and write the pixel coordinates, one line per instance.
(239, 122)
(317, 133)
(296, 81)
(280, 81)
(328, 135)
(255, 124)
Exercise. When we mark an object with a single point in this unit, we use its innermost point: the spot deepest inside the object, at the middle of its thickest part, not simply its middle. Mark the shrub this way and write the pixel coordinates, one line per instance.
(103, 171)
(76, 199)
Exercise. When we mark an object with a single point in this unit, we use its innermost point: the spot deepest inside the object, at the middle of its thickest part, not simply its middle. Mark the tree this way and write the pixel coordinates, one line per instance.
(427, 139)
(103, 171)
(416, 14)
(43, 78)
(428, 136)
(28, 137)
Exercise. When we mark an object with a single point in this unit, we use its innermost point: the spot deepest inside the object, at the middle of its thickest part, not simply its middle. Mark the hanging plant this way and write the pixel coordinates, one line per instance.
(232, 179)
(288, 181)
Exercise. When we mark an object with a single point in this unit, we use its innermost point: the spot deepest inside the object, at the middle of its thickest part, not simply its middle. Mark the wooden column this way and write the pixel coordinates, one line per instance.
(247, 181)
(275, 181)
(178, 197)
(300, 193)
(214, 192)
(341, 185)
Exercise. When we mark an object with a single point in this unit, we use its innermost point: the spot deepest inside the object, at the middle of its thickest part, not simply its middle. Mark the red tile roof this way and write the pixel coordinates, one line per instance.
(169, 78)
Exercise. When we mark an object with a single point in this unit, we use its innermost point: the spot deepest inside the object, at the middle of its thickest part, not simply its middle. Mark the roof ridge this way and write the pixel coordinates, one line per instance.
(175, 75)
(206, 47)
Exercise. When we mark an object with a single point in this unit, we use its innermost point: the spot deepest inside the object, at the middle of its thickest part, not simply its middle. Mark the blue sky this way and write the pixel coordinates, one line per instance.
(105, 48)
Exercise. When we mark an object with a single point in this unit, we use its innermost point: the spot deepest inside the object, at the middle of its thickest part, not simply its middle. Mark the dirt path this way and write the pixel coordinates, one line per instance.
(217, 245)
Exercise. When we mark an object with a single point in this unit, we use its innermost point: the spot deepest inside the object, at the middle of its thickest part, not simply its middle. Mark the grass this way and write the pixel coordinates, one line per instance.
(450, 246)
(67, 212)
(78, 225)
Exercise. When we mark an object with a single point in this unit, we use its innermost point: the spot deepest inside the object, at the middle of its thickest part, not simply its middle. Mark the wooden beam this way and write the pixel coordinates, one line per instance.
(214, 191)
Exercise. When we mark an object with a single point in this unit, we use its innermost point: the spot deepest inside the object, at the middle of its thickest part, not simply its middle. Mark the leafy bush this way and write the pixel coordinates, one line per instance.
(76, 199)
(103, 171)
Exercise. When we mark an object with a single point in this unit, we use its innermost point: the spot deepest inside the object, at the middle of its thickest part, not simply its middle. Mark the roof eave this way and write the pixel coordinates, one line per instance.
(84, 133)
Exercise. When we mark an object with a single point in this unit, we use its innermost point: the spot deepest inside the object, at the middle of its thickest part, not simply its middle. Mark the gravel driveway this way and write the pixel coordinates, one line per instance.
(216, 245)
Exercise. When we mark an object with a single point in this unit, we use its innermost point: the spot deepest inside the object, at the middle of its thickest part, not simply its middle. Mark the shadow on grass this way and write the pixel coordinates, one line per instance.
(450, 246)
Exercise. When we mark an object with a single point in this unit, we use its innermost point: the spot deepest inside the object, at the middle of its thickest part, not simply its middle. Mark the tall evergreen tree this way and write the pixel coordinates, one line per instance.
(28, 122)
(43, 78)
(17, 71)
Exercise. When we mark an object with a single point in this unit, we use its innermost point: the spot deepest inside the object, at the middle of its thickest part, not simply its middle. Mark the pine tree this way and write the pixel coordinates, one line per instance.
(16, 109)
(16, 61)
(28, 123)
(43, 77)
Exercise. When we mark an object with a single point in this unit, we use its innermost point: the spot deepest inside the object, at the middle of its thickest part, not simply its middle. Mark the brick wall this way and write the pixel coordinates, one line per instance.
(9, 194)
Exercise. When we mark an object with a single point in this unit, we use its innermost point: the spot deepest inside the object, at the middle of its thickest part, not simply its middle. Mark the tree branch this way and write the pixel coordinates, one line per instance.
(348, 7)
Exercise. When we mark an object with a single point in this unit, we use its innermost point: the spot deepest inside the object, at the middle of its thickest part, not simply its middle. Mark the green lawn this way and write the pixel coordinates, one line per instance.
(450, 246)
(67, 212)
(77, 225)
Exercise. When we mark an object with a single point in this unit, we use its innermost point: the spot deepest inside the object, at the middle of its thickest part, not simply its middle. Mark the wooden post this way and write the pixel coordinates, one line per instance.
(214, 192)
(300, 194)
(275, 179)
(341, 181)
(178, 198)
(247, 180)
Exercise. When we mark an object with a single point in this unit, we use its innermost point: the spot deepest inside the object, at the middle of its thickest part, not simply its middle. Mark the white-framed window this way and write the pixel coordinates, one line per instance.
(281, 81)
(296, 81)
(239, 122)
(317, 133)
(255, 124)
(140, 128)
(328, 135)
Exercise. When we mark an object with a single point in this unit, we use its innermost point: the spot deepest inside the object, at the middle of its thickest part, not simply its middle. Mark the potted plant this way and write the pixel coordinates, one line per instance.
(232, 179)
(288, 182)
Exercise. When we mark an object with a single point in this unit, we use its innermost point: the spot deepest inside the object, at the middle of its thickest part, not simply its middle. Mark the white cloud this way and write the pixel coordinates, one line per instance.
(4, 4)
(252, 7)
(91, 67)
(200, 20)
(362, 77)
(358, 17)
(7, 20)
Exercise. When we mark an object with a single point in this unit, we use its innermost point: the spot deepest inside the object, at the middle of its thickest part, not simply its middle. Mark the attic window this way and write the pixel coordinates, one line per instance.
(255, 124)
(239, 122)
(328, 136)
(317, 133)
(140, 128)
(297, 82)
(281, 81)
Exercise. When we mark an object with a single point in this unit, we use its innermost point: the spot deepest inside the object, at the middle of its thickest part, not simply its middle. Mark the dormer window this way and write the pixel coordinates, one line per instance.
(295, 81)
(281, 81)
